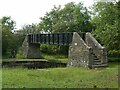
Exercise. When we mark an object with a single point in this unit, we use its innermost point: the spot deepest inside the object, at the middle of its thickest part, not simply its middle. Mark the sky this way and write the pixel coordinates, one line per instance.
(25, 12)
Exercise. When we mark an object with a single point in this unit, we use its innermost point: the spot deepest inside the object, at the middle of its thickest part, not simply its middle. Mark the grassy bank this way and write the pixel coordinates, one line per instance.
(49, 58)
(56, 58)
(61, 77)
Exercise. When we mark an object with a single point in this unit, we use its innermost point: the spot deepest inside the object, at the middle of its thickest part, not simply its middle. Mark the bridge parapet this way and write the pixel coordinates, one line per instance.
(53, 38)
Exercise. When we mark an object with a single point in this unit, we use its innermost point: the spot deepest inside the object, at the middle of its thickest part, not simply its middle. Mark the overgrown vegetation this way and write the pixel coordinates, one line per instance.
(54, 49)
(106, 20)
(61, 77)
(10, 41)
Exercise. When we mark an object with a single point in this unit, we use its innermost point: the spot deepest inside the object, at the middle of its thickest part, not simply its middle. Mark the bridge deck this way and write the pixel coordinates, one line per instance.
(53, 38)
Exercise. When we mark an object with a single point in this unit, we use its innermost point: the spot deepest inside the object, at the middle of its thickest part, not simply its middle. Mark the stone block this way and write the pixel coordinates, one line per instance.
(79, 52)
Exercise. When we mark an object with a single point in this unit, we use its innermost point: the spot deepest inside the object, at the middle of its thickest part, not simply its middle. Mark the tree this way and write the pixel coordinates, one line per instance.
(73, 17)
(47, 22)
(7, 23)
(106, 19)
(27, 29)
(9, 40)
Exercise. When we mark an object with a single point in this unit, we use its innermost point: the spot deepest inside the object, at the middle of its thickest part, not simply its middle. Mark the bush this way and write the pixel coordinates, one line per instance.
(48, 49)
(114, 59)
(114, 56)
(114, 53)
(20, 54)
(54, 49)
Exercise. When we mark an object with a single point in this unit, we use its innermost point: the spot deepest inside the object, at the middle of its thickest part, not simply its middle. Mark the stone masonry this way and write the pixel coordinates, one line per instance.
(79, 53)
(85, 53)
(99, 51)
(31, 50)
(88, 53)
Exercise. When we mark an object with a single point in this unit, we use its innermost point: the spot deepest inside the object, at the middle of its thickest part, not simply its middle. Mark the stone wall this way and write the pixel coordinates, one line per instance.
(98, 50)
(79, 53)
(31, 50)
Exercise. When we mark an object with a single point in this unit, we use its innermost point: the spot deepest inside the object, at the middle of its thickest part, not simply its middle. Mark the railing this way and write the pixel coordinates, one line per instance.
(53, 38)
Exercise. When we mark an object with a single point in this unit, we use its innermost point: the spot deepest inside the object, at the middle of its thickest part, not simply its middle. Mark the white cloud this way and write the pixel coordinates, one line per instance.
(29, 11)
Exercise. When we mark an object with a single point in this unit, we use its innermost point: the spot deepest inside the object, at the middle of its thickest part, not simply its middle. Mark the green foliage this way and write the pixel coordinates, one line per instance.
(7, 35)
(73, 17)
(60, 77)
(113, 53)
(48, 49)
(106, 20)
(20, 54)
(7, 23)
(26, 29)
(114, 59)
(10, 40)
(54, 49)
(56, 58)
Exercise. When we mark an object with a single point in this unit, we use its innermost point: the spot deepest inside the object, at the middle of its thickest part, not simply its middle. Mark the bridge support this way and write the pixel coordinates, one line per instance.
(31, 50)
(88, 53)
(79, 53)
(84, 50)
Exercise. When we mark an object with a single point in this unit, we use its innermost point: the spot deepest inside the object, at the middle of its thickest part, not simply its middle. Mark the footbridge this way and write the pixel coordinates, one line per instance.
(84, 49)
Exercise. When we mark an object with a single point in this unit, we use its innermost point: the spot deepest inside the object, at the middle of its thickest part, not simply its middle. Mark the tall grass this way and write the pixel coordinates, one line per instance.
(61, 77)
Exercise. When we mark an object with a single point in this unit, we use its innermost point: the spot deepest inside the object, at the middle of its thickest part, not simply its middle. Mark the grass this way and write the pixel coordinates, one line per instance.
(61, 77)
(56, 58)
(114, 59)
(12, 60)
(50, 58)
(0, 78)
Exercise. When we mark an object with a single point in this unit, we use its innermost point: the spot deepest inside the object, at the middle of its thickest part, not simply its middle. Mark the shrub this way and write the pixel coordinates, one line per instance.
(54, 49)
(114, 53)
(20, 54)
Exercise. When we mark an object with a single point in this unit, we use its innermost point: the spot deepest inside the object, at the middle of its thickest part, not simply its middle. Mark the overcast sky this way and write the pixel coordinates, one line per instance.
(29, 11)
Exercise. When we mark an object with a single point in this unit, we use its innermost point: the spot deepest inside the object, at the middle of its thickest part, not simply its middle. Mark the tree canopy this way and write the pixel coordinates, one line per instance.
(73, 17)
(106, 19)
(10, 41)
(7, 23)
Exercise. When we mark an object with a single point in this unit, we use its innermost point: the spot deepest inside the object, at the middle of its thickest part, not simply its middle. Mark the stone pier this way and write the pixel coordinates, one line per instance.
(86, 53)
(31, 50)
(79, 53)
